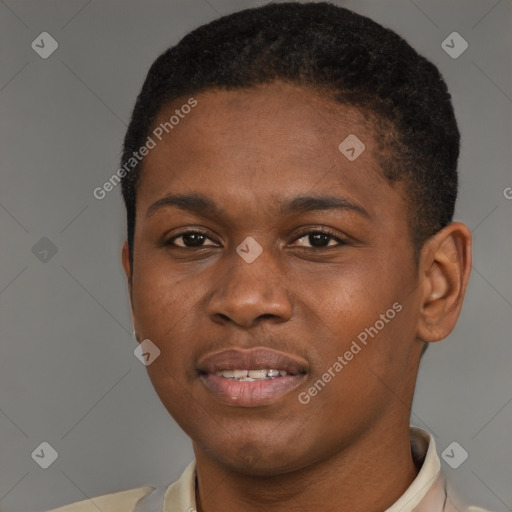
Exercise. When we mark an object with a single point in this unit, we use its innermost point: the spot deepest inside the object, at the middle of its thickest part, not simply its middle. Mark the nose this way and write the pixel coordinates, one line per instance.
(246, 293)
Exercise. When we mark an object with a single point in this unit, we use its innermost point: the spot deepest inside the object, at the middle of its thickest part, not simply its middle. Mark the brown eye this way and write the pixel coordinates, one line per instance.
(190, 240)
(319, 240)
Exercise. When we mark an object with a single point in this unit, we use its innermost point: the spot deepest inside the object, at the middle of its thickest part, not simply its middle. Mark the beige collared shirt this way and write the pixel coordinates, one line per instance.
(427, 493)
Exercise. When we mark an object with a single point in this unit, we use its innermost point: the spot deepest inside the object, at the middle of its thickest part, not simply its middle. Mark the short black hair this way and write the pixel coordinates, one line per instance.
(343, 55)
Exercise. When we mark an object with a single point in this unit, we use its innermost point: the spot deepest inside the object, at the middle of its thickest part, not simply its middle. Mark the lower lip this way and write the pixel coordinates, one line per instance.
(250, 393)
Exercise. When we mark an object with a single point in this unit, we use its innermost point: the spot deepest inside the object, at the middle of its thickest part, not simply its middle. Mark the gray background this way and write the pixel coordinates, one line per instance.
(68, 375)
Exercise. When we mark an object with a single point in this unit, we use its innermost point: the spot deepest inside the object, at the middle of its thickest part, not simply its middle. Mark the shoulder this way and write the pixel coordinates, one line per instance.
(124, 501)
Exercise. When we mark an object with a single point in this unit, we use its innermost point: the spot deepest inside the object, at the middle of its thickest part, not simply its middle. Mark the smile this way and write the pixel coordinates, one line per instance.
(251, 378)
(252, 375)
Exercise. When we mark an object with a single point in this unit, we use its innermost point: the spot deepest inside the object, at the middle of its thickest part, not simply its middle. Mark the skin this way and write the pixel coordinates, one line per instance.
(249, 151)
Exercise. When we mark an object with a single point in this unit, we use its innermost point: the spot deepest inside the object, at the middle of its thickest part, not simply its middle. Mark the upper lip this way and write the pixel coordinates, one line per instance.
(253, 359)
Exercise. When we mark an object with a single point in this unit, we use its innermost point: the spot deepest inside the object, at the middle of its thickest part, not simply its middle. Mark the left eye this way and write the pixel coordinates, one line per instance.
(318, 240)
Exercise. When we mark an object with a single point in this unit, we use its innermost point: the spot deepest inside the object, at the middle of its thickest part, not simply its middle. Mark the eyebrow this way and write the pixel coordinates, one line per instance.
(320, 202)
(195, 203)
(203, 205)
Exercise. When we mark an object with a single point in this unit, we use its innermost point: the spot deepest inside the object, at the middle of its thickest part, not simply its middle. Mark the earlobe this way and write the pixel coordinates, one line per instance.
(445, 266)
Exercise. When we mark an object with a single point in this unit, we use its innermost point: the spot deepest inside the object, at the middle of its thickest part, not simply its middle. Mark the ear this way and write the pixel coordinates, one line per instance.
(444, 269)
(125, 260)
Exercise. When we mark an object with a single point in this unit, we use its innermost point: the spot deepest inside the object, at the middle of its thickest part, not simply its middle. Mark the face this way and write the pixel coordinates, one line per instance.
(260, 246)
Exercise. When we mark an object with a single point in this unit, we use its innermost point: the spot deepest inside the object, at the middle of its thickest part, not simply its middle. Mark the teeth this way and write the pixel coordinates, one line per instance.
(252, 375)
(257, 374)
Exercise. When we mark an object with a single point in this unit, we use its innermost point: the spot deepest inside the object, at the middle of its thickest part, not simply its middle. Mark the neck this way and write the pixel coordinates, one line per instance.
(368, 476)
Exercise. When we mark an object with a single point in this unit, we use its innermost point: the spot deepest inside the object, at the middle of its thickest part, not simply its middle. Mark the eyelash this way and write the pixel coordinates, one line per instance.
(325, 231)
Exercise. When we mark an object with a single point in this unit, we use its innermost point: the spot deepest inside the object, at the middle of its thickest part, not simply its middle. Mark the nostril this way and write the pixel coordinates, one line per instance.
(267, 315)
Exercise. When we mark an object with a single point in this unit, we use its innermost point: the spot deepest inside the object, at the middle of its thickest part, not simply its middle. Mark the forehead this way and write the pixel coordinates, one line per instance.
(267, 141)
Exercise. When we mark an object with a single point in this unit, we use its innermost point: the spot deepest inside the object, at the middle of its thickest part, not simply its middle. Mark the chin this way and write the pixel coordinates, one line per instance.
(257, 457)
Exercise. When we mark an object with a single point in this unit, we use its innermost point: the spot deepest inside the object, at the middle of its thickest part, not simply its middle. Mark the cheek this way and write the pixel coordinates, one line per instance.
(354, 382)
(368, 365)
(160, 297)
(166, 311)
(349, 299)
(367, 314)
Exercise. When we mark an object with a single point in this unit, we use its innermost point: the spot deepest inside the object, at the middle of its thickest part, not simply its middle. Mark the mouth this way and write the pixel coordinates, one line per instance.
(252, 375)
(251, 378)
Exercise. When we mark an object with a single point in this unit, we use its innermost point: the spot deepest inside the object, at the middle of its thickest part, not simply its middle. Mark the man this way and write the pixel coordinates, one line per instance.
(289, 174)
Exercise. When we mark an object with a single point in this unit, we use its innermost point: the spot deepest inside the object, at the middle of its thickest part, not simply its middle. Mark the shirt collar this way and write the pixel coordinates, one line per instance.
(427, 491)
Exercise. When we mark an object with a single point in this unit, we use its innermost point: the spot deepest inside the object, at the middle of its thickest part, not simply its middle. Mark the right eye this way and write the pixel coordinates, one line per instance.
(189, 240)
